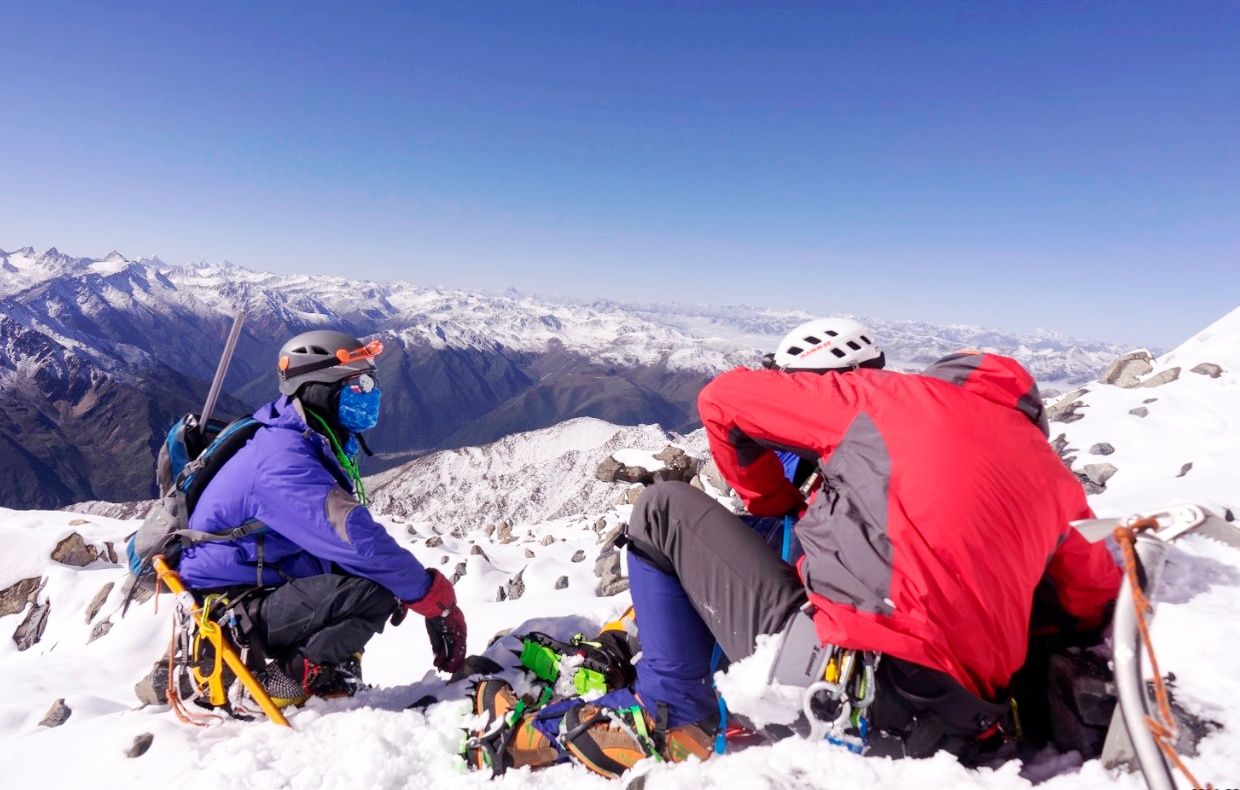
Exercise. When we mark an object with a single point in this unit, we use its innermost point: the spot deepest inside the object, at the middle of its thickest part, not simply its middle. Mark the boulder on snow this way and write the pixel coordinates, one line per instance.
(1164, 377)
(561, 583)
(1208, 369)
(1099, 474)
(1140, 411)
(676, 465)
(1127, 371)
(30, 631)
(434, 541)
(15, 597)
(101, 629)
(1066, 411)
(93, 607)
(75, 551)
(458, 573)
(579, 555)
(1101, 448)
(57, 715)
(516, 585)
(140, 744)
(1184, 469)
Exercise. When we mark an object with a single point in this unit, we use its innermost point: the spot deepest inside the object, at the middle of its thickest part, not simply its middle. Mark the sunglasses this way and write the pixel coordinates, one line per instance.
(362, 383)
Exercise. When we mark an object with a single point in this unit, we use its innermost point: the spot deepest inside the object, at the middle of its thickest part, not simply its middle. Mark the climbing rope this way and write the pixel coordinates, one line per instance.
(1162, 726)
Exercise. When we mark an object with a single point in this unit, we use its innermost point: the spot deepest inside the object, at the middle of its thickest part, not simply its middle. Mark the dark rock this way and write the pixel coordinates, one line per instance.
(75, 551)
(30, 631)
(614, 586)
(599, 526)
(110, 552)
(1066, 412)
(500, 594)
(611, 580)
(443, 559)
(579, 555)
(608, 469)
(1140, 411)
(489, 530)
(140, 744)
(547, 540)
(15, 597)
(92, 608)
(561, 583)
(677, 465)
(476, 549)
(1184, 469)
(57, 715)
(602, 561)
(1101, 448)
(1149, 400)
(1059, 444)
(434, 542)
(529, 554)
(516, 585)
(458, 572)
(1099, 474)
(1208, 369)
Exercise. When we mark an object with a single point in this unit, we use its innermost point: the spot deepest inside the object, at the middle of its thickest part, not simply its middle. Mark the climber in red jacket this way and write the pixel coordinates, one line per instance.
(939, 536)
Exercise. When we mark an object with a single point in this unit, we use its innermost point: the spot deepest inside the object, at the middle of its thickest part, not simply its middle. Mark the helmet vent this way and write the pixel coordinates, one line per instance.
(832, 333)
(795, 350)
(866, 340)
(854, 345)
(813, 341)
(837, 352)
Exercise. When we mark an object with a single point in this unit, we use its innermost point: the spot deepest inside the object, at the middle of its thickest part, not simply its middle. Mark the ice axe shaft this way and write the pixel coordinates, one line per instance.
(221, 371)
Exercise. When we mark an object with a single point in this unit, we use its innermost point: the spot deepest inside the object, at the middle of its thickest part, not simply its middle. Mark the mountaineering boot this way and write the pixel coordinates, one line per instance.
(605, 740)
(688, 740)
(610, 740)
(507, 738)
(285, 691)
(333, 680)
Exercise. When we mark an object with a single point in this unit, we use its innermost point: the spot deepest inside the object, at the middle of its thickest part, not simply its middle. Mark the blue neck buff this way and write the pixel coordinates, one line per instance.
(358, 411)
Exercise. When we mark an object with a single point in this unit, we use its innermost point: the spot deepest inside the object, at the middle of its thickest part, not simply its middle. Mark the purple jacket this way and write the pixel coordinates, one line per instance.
(288, 478)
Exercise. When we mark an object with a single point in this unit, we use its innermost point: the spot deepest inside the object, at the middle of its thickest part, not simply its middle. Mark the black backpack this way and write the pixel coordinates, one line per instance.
(188, 460)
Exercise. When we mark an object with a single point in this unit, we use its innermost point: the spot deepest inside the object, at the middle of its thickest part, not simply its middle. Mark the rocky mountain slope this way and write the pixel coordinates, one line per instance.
(128, 344)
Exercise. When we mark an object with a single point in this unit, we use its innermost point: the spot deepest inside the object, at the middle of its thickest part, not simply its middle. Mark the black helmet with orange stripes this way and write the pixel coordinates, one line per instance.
(326, 356)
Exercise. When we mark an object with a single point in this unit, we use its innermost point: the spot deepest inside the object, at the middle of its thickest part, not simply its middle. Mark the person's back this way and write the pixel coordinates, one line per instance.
(945, 502)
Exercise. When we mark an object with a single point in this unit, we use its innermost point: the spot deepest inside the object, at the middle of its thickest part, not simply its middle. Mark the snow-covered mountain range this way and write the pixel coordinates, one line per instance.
(100, 355)
(499, 518)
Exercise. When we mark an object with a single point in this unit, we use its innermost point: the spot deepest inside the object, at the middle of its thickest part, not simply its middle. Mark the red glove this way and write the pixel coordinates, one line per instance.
(445, 622)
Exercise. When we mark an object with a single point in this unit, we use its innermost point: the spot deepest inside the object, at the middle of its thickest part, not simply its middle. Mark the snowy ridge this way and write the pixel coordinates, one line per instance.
(524, 479)
(700, 338)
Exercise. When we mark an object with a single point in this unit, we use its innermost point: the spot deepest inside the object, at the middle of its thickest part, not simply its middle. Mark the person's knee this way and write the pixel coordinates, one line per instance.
(652, 516)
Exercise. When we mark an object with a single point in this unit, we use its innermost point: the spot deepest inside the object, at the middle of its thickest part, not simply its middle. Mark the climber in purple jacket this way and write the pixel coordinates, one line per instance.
(331, 577)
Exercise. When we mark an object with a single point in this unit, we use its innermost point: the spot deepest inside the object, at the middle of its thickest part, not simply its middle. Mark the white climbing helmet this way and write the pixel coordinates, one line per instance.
(831, 343)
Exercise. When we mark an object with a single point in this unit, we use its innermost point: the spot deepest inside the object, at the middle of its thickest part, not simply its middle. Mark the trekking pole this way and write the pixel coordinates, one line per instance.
(220, 371)
(171, 578)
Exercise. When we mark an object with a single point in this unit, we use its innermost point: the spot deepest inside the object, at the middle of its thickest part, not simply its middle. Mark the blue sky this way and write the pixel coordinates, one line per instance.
(1069, 165)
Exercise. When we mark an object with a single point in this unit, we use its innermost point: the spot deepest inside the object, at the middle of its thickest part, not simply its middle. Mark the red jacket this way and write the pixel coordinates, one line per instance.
(943, 510)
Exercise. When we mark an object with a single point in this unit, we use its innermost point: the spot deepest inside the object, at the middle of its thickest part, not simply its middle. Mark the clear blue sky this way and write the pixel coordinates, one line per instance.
(1071, 165)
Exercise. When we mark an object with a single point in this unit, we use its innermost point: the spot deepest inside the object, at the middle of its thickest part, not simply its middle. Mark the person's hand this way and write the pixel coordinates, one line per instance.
(445, 622)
